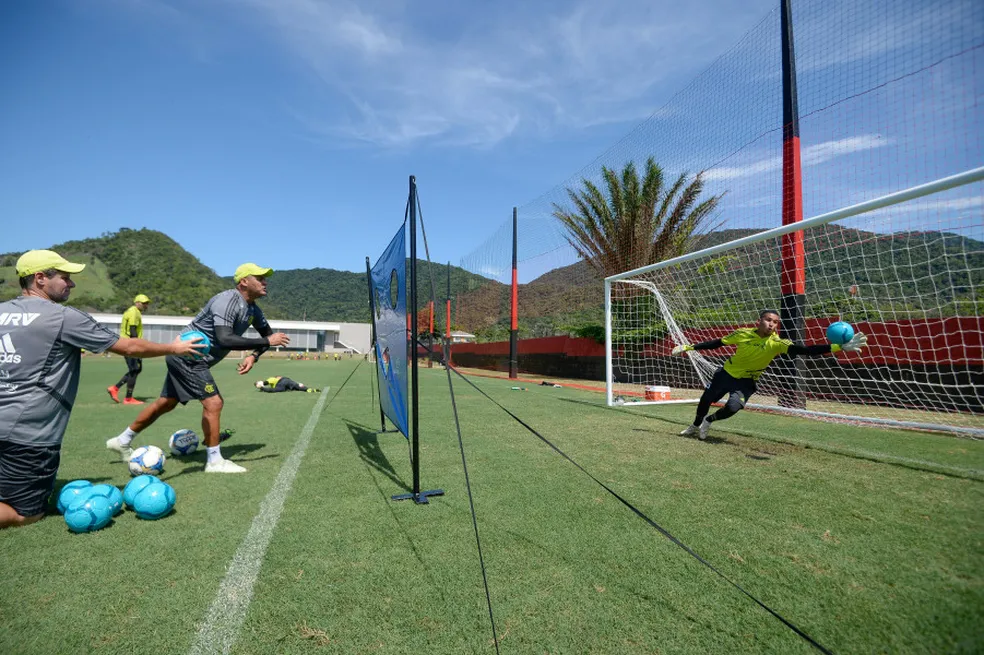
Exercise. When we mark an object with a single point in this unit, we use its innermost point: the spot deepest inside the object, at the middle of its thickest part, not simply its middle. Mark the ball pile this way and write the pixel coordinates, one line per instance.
(88, 507)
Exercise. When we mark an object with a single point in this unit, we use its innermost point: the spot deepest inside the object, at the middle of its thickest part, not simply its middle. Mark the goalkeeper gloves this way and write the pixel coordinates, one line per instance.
(858, 342)
(681, 349)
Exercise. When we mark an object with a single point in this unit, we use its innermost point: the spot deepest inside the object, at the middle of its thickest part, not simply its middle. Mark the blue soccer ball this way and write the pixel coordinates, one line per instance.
(111, 493)
(840, 333)
(154, 501)
(89, 514)
(71, 492)
(191, 334)
(136, 485)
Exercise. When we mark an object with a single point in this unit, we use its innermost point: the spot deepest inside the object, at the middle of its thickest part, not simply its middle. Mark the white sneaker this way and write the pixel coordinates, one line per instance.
(224, 466)
(117, 445)
(704, 427)
(691, 431)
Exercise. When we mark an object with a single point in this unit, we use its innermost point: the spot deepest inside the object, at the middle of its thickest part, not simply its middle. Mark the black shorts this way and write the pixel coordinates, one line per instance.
(134, 365)
(724, 384)
(27, 476)
(188, 380)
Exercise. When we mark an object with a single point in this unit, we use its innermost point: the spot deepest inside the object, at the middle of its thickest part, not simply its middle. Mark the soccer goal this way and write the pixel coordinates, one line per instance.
(906, 269)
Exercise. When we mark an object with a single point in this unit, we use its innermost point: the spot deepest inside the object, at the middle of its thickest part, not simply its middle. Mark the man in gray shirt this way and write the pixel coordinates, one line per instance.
(41, 344)
(224, 319)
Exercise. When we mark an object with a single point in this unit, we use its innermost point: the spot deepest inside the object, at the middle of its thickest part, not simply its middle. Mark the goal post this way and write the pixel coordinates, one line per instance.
(909, 275)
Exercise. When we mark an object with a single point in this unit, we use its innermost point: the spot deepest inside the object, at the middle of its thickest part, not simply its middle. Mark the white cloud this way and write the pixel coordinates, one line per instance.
(477, 74)
(809, 156)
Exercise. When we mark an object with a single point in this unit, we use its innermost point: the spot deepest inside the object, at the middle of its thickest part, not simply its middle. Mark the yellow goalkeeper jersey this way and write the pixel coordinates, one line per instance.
(272, 382)
(132, 318)
(754, 354)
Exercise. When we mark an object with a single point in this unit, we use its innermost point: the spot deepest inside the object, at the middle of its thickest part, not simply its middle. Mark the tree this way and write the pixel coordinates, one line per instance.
(638, 222)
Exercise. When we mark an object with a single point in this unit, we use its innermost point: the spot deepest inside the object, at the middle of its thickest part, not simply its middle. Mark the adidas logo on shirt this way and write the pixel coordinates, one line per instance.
(8, 354)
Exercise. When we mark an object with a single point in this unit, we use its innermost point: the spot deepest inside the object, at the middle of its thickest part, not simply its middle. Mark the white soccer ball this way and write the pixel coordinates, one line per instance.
(183, 442)
(147, 460)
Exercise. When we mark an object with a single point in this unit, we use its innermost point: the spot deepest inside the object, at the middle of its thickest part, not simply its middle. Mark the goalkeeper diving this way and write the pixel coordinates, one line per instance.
(756, 348)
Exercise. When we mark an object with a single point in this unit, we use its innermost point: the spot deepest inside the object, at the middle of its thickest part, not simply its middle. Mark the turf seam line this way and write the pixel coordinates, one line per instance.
(651, 522)
(227, 612)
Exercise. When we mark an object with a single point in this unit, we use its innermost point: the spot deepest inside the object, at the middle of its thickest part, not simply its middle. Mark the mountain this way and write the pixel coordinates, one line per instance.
(912, 273)
(121, 264)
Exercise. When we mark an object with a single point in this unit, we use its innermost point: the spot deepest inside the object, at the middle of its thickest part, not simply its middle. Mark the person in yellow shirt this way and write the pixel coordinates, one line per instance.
(756, 348)
(279, 383)
(131, 327)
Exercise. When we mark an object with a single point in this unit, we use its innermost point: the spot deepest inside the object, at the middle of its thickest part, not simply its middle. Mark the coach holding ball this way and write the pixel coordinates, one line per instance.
(223, 320)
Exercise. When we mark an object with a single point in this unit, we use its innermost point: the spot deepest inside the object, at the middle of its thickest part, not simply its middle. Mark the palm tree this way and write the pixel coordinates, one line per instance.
(638, 223)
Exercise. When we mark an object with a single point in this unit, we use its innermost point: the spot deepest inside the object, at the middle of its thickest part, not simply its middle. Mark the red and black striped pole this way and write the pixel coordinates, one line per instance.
(793, 276)
(514, 310)
(447, 323)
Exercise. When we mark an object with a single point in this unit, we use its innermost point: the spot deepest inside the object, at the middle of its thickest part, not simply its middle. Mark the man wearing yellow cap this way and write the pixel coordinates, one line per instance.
(132, 328)
(224, 320)
(41, 343)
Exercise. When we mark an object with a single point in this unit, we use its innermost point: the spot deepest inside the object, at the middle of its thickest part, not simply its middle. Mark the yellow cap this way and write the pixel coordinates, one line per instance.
(250, 269)
(35, 261)
(141, 298)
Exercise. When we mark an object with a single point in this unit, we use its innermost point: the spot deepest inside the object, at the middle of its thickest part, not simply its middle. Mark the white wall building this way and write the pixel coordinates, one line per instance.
(306, 336)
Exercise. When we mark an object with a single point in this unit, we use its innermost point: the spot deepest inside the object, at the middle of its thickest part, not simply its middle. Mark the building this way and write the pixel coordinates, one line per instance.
(305, 336)
(462, 337)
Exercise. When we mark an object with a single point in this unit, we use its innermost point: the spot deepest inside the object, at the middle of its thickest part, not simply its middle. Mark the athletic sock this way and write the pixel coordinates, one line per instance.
(214, 454)
(126, 436)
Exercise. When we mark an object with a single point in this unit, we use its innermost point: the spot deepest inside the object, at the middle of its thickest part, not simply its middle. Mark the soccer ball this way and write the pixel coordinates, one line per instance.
(191, 334)
(71, 492)
(147, 459)
(183, 442)
(840, 333)
(154, 501)
(89, 514)
(110, 493)
(135, 486)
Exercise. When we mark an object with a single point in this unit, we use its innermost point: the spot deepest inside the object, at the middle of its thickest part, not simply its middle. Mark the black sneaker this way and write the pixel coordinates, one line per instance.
(225, 434)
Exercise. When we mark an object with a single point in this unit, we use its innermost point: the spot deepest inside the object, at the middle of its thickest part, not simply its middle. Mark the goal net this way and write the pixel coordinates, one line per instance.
(907, 270)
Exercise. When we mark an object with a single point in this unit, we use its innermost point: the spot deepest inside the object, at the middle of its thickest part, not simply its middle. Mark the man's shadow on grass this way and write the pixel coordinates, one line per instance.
(195, 463)
(367, 441)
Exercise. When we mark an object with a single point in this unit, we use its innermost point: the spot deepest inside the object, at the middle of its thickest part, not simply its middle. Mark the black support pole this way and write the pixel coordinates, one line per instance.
(793, 258)
(418, 496)
(372, 340)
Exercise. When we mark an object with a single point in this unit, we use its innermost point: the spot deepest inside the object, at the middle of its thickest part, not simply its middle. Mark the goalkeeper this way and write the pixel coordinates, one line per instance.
(756, 348)
(278, 384)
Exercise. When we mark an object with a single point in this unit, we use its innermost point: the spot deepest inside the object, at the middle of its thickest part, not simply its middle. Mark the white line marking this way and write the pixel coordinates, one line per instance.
(225, 616)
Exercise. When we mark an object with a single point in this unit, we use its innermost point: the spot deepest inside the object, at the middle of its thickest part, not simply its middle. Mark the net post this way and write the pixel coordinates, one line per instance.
(793, 280)
(609, 382)
(418, 496)
(447, 323)
(514, 310)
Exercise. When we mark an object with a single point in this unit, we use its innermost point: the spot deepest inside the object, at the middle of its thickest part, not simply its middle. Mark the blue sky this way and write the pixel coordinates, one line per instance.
(284, 131)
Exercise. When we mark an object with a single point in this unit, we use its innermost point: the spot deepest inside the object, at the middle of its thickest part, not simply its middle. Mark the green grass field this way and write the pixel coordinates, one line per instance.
(868, 540)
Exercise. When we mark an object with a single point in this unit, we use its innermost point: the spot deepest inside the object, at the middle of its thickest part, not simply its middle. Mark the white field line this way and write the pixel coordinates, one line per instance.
(225, 616)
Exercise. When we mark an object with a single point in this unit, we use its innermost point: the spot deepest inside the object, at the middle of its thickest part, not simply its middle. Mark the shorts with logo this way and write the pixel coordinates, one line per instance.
(27, 475)
(188, 380)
